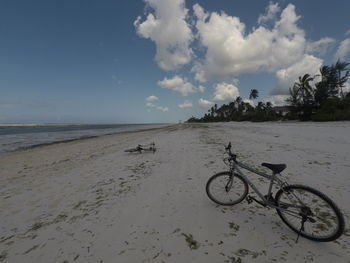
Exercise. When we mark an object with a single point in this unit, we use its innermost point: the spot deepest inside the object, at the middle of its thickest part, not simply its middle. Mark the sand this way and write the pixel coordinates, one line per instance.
(89, 201)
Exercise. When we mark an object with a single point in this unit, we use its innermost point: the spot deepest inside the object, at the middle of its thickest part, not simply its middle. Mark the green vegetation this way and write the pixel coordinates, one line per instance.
(3, 255)
(325, 100)
(193, 244)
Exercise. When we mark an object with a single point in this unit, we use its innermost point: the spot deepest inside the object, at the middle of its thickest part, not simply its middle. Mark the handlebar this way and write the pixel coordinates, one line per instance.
(228, 149)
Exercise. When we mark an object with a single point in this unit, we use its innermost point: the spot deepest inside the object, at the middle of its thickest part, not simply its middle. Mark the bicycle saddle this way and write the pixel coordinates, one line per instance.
(276, 168)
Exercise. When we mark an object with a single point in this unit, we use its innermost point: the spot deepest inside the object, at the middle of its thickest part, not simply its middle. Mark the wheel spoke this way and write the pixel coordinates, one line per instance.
(225, 190)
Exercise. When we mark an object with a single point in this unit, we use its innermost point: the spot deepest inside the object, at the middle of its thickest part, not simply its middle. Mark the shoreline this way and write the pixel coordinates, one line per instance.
(71, 124)
(81, 138)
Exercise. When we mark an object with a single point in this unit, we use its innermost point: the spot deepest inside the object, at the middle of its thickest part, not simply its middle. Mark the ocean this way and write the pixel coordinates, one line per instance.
(13, 138)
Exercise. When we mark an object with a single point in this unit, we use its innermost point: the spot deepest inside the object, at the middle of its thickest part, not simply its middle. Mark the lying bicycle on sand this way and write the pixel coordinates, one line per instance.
(146, 147)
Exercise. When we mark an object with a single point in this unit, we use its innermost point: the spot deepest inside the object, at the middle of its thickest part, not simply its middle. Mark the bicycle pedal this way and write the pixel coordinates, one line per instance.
(249, 199)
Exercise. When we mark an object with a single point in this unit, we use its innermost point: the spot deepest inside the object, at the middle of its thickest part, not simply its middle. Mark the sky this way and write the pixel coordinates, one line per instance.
(85, 61)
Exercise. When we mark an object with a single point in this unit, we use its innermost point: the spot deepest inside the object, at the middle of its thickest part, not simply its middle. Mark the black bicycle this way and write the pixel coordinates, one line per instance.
(146, 147)
(305, 210)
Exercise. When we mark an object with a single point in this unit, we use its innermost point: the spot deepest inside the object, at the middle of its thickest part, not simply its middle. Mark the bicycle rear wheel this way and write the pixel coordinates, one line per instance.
(133, 150)
(226, 188)
(323, 220)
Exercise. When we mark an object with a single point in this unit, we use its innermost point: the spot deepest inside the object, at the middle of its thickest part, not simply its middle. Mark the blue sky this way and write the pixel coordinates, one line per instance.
(157, 60)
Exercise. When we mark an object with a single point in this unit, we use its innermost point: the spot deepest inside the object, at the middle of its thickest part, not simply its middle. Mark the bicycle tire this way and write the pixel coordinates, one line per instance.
(323, 219)
(132, 150)
(225, 176)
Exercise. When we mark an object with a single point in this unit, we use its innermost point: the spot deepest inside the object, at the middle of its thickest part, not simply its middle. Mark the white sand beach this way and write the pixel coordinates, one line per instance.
(89, 201)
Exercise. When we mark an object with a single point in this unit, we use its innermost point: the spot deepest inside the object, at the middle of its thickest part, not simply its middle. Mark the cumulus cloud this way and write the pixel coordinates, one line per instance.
(346, 88)
(286, 77)
(201, 88)
(225, 92)
(152, 98)
(271, 11)
(205, 103)
(321, 46)
(230, 51)
(157, 107)
(162, 108)
(178, 84)
(277, 45)
(277, 100)
(168, 29)
(251, 102)
(186, 104)
(151, 105)
(343, 49)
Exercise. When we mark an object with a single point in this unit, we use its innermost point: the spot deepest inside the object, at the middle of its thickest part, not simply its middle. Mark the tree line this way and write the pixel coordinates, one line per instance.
(324, 100)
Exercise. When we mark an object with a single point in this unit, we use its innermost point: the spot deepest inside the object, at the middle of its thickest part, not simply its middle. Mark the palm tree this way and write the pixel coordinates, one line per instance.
(239, 104)
(260, 106)
(304, 87)
(294, 99)
(253, 94)
(305, 95)
(339, 67)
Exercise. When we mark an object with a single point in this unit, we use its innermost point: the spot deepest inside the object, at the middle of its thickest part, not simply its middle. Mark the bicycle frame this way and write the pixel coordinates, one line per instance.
(273, 178)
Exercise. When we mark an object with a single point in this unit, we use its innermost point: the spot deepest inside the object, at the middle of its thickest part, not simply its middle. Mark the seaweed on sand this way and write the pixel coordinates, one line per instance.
(193, 244)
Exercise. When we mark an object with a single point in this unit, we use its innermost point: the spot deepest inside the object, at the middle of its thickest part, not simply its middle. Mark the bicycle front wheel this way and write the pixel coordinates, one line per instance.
(323, 220)
(132, 150)
(226, 188)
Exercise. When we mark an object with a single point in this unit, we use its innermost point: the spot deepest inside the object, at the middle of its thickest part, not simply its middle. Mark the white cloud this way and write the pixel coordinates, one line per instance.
(151, 105)
(178, 84)
(347, 32)
(205, 103)
(286, 77)
(277, 100)
(319, 47)
(225, 92)
(186, 104)
(162, 108)
(168, 29)
(343, 49)
(251, 102)
(152, 98)
(201, 88)
(230, 51)
(271, 11)
(346, 88)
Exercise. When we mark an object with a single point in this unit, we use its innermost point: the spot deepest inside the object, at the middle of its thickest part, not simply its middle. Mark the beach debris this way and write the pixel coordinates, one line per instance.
(31, 249)
(233, 260)
(233, 226)
(3, 255)
(242, 252)
(3, 239)
(176, 230)
(193, 244)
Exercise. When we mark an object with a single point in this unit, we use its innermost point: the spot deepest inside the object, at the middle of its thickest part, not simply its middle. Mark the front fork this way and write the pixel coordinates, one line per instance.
(229, 182)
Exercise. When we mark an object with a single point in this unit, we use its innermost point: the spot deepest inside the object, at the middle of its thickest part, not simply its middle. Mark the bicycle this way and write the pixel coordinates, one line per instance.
(307, 211)
(147, 147)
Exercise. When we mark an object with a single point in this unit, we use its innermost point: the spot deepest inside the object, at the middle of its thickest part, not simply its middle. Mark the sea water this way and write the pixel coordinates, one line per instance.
(19, 137)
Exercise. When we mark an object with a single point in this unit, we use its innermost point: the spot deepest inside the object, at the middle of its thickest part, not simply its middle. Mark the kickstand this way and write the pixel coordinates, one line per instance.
(303, 220)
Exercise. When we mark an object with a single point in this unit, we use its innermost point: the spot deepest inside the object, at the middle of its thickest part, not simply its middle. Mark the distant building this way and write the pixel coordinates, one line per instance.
(283, 110)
